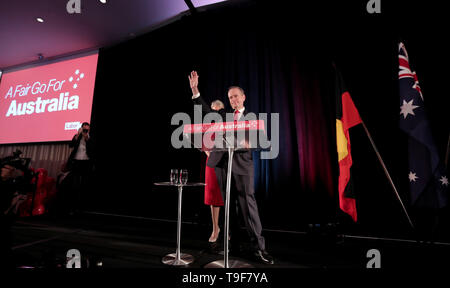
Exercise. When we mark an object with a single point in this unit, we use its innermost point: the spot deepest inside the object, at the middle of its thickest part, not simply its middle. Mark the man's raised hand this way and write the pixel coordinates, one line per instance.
(193, 81)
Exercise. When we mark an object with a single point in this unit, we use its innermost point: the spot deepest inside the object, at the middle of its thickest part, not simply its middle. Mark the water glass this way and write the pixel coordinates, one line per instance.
(173, 176)
(183, 176)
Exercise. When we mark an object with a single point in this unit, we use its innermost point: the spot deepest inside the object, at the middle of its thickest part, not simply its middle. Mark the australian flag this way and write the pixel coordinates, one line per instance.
(427, 178)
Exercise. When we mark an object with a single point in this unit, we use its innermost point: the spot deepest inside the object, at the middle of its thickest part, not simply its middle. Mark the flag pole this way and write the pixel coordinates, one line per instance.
(386, 172)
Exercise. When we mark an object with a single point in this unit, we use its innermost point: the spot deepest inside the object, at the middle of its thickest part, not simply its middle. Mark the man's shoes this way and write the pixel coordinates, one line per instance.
(263, 257)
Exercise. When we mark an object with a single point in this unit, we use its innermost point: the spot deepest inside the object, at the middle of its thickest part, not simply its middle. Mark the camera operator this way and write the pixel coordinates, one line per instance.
(13, 186)
(80, 164)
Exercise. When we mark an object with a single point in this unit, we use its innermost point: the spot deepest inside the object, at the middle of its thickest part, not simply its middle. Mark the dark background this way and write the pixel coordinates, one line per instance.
(281, 55)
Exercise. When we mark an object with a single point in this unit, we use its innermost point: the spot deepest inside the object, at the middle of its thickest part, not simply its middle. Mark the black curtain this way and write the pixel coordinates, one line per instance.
(282, 57)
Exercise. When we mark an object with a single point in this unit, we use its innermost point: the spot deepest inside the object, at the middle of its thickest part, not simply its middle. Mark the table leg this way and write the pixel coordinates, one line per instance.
(178, 258)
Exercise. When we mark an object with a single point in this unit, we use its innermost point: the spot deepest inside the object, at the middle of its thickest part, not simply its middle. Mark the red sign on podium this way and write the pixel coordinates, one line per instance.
(224, 126)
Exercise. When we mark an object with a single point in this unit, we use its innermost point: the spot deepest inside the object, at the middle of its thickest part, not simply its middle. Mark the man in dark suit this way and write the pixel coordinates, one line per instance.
(242, 174)
(80, 164)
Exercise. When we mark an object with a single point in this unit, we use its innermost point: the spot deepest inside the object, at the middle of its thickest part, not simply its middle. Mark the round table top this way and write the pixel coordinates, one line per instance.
(178, 184)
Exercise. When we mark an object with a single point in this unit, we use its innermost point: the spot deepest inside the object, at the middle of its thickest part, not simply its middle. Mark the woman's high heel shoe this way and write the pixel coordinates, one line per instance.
(211, 239)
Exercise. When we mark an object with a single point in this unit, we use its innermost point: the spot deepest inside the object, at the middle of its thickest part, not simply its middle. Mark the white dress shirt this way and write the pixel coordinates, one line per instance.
(81, 152)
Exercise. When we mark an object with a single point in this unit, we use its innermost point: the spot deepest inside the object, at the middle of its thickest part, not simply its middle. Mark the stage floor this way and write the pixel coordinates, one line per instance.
(141, 243)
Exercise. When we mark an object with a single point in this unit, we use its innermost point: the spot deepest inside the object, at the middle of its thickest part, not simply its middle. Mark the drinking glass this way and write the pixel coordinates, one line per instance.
(173, 176)
(183, 176)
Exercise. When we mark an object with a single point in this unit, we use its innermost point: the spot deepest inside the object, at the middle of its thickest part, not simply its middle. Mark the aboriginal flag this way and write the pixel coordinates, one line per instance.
(347, 116)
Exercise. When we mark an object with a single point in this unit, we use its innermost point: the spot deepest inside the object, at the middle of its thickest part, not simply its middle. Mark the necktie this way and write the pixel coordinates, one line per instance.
(236, 115)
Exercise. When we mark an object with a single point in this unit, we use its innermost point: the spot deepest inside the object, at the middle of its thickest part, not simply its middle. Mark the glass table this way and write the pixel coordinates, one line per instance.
(178, 258)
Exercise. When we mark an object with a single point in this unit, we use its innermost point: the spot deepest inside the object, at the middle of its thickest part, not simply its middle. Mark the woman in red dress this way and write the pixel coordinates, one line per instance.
(213, 196)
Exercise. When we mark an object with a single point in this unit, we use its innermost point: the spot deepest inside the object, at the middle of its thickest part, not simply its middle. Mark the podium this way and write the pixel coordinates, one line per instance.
(226, 262)
(230, 146)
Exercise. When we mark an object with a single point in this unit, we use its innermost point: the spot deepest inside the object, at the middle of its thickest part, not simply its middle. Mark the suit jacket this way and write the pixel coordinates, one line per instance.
(242, 160)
